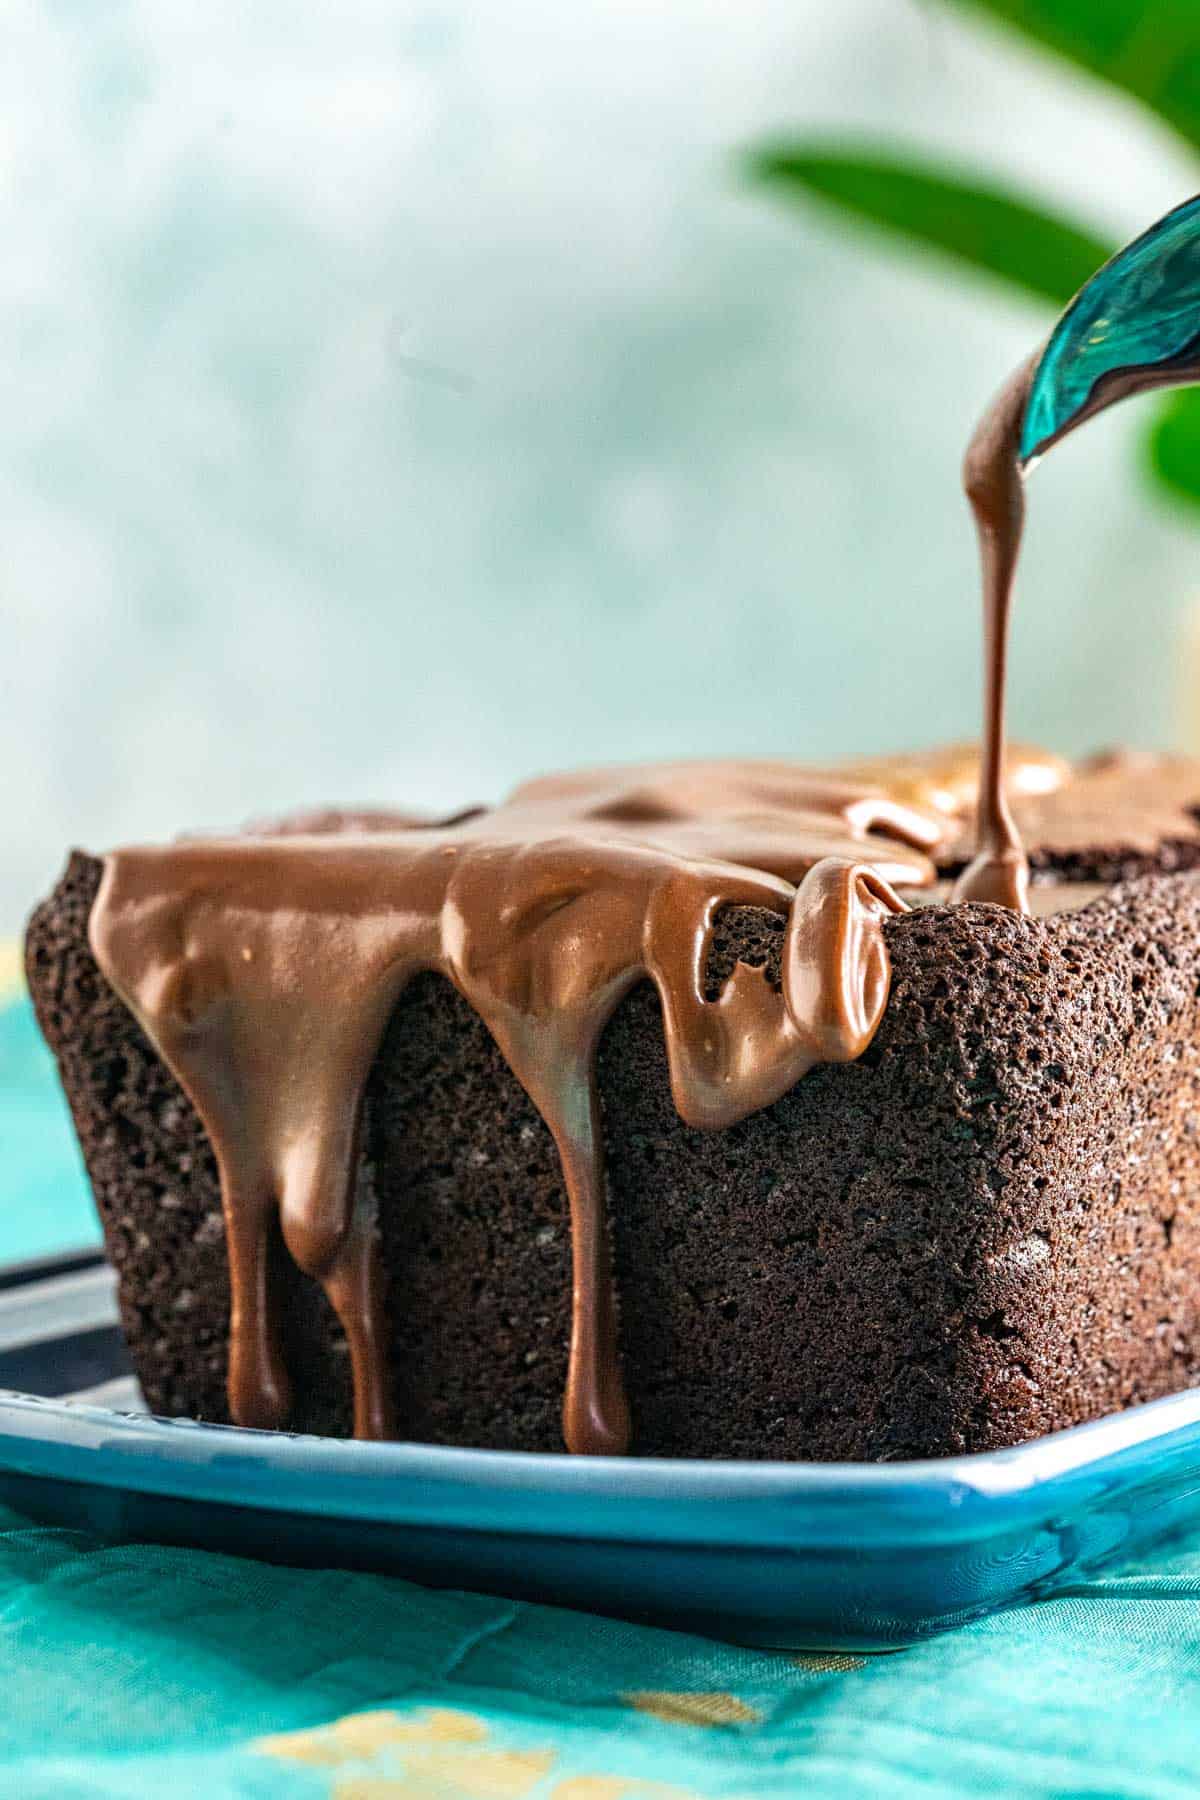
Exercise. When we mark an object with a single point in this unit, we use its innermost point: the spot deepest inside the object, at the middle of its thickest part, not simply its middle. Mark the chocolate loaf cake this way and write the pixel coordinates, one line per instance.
(936, 1182)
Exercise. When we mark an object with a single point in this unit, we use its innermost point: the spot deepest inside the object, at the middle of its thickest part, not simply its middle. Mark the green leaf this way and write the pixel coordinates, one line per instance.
(1174, 446)
(1147, 48)
(978, 223)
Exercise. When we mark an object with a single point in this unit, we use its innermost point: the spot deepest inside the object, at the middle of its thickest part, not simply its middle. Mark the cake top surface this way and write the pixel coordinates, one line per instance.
(907, 813)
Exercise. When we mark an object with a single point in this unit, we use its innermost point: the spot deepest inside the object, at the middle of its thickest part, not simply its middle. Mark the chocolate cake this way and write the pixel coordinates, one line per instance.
(726, 1109)
(685, 1093)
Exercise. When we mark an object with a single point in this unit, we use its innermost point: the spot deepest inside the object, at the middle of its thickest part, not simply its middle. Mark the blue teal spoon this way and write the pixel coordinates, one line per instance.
(1134, 326)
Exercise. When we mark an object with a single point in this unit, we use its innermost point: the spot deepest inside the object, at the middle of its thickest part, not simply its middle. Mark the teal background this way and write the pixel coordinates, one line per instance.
(47, 1204)
(401, 399)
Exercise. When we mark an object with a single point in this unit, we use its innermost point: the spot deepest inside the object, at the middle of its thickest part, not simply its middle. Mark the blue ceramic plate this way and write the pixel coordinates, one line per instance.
(796, 1554)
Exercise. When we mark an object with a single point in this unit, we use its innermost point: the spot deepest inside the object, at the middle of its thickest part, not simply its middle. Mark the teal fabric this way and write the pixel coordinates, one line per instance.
(44, 1200)
(139, 1671)
(135, 1670)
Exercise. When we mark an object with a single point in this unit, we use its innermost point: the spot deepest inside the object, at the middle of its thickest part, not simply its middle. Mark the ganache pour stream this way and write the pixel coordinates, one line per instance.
(1132, 329)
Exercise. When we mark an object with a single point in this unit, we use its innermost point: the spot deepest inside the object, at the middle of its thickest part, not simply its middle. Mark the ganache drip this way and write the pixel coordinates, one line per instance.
(264, 970)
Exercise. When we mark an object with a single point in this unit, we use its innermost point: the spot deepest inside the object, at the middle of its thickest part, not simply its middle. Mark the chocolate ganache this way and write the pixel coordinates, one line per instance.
(264, 970)
(994, 472)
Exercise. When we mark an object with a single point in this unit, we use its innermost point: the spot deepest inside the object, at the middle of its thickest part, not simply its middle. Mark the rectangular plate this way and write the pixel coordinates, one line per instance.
(802, 1555)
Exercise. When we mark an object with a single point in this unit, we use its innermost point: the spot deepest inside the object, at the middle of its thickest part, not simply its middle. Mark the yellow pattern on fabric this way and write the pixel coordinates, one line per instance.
(593, 1787)
(695, 1709)
(575, 1787)
(360, 1736)
(439, 1754)
(826, 1662)
(456, 1774)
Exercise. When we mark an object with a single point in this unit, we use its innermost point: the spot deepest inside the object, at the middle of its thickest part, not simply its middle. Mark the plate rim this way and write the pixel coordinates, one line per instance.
(934, 1500)
(716, 1500)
